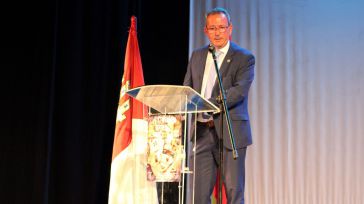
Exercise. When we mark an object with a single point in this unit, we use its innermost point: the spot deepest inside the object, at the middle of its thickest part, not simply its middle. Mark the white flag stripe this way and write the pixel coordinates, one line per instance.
(128, 183)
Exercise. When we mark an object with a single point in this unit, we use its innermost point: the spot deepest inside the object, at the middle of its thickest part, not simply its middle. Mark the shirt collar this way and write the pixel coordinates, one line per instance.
(225, 49)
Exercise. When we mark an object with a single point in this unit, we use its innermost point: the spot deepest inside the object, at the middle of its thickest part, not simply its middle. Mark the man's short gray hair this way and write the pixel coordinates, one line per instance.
(218, 10)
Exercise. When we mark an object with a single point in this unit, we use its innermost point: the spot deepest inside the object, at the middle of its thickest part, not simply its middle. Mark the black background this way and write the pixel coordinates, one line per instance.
(61, 70)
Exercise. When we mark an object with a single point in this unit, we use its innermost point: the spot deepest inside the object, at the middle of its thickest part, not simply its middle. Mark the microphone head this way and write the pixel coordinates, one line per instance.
(212, 49)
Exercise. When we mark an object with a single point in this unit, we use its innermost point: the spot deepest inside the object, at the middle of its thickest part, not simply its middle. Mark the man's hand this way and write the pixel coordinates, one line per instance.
(219, 99)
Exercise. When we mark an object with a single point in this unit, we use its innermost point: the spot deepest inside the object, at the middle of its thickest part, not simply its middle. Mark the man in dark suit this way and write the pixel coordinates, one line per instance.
(236, 66)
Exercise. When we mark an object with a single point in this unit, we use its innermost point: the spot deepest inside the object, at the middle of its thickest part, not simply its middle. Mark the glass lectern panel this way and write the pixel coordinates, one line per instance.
(166, 103)
(169, 99)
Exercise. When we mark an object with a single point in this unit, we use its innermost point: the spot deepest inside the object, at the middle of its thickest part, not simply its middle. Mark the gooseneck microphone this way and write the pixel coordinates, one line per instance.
(212, 50)
(223, 109)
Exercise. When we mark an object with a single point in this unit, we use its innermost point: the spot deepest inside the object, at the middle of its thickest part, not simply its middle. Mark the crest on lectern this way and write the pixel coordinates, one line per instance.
(165, 149)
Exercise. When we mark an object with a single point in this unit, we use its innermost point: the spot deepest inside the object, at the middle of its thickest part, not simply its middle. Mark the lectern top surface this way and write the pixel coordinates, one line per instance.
(172, 99)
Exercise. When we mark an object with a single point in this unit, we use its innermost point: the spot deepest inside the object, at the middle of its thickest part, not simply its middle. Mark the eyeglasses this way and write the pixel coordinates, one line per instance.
(221, 29)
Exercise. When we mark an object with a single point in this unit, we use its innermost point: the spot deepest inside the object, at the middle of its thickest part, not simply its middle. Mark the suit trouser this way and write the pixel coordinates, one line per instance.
(207, 160)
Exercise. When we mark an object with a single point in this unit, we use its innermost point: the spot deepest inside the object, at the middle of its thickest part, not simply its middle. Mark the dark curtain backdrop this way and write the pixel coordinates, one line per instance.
(61, 73)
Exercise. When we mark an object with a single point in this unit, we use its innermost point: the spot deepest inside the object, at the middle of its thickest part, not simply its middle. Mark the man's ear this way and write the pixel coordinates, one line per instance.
(230, 31)
(205, 30)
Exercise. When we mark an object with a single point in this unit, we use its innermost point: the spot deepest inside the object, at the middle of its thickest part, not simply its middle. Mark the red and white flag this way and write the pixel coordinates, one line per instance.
(128, 179)
(215, 194)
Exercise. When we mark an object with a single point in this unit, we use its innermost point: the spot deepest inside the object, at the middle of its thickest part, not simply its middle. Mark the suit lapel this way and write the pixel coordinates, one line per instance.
(224, 68)
(201, 66)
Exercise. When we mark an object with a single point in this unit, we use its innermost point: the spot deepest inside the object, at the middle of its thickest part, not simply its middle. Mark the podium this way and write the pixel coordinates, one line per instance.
(172, 99)
(183, 102)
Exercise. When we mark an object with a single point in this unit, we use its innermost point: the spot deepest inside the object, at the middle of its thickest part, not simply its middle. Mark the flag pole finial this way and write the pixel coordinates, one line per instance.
(133, 24)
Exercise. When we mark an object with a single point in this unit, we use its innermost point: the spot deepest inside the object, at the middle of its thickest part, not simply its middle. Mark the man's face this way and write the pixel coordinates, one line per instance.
(218, 30)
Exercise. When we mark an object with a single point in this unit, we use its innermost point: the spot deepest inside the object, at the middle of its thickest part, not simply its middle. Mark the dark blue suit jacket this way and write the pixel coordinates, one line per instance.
(237, 73)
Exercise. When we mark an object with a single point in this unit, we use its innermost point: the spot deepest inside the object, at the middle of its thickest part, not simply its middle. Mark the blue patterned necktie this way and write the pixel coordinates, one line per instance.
(210, 83)
(211, 77)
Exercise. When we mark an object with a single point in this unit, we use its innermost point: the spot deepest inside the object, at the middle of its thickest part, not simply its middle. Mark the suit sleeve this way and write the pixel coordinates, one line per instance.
(237, 84)
(241, 82)
(188, 77)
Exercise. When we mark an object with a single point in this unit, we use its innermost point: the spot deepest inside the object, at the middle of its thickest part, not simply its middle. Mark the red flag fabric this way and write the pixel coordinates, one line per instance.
(215, 193)
(128, 178)
(128, 107)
